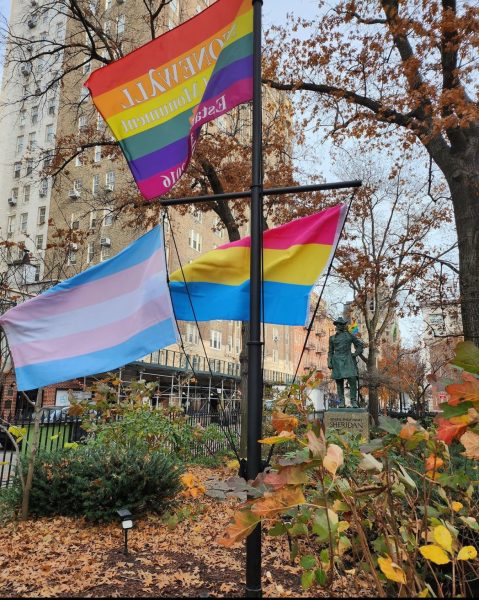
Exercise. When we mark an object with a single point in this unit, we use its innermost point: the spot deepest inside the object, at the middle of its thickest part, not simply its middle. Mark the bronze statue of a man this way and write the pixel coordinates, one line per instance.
(343, 362)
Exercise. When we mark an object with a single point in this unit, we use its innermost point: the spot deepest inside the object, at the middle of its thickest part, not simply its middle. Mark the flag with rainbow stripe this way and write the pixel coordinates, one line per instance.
(216, 285)
(156, 98)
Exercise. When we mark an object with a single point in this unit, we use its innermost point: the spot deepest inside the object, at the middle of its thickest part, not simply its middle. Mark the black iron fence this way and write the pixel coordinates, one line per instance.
(57, 428)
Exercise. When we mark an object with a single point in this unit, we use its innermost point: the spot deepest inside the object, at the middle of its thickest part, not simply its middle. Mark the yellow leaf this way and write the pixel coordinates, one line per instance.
(343, 526)
(435, 554)
(443, 537)
(467, 553)
(423, 593)
(333, 459)
(456, 506)
(392, 570)
(284, 436)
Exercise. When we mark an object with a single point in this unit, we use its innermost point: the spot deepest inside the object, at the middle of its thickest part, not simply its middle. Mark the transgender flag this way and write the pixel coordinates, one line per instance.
(156, 99)
(109, 315)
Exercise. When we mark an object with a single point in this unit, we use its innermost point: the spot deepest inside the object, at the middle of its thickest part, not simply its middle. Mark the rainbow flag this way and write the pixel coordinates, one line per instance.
(216, 285)
(115, 312)
(354, 328)
(156, 99)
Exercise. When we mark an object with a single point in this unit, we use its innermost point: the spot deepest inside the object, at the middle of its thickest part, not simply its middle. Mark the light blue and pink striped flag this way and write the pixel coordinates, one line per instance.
(109, 315)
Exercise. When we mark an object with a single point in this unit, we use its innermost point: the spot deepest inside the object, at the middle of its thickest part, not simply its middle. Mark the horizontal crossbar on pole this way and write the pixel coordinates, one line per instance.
(315, 187)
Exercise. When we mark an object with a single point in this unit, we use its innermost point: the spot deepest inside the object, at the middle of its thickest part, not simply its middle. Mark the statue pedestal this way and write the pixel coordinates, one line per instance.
(351, 420)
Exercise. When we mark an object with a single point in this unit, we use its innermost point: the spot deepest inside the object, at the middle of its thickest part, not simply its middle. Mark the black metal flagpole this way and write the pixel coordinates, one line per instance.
(255, 374)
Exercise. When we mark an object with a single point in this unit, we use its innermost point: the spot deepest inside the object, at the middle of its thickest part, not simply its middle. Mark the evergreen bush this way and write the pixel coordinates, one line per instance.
(96, 480)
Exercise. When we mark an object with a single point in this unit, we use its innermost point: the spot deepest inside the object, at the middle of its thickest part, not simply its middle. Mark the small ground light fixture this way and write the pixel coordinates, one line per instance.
(126, 524)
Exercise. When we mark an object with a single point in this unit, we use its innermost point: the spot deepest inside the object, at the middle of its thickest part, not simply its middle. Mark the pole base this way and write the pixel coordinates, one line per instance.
(254, 593)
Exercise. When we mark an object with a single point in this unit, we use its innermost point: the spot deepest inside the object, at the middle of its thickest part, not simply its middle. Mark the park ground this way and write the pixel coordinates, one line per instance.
(169, 556)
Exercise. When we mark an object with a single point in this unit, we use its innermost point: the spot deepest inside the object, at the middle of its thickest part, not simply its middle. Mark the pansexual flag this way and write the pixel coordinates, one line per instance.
(156, 99)
(101, 319)
(295, 255)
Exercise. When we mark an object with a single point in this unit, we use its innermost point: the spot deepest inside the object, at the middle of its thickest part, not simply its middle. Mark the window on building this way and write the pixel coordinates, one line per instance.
(110, 180)
(237, 345)
(59, 31)
(95, 188)
(51, 106)
(97, 154)
(195, 240)
(42, 213)
(32, 140)
(107, 217)
(23, 222)
(47, 159)
(26, 193)
(105, 253)
(275, 355)
(275, 334)
(174, 6)
(39, 242)
(78, 159)
(20, 143)
(230, 343)
(108, 4)
(87, 68)
(218, 228)
(34, 115)
(11, 224)
(36, 276)
(82, 122)
(29, 166)
(44, 187)
(15, 194)
(93, 219)
(90, 252)
(72, 256)
(77, 186)
(100, 123)
(49, 134)
(22, 118)
(198, 215)
(74, 221)
(215, 340)
(17, 167)
(120, 24)
(192, 335)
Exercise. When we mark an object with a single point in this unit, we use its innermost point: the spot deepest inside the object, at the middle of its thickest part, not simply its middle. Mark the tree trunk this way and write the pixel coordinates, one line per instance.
(32, 452)
(465, 198)
(372, 374)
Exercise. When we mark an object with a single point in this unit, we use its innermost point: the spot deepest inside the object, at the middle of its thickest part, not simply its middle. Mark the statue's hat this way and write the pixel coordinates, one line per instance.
(340, 321)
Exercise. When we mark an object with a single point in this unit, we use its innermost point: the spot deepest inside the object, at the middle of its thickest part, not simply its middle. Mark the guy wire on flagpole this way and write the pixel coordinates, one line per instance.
(255, 374)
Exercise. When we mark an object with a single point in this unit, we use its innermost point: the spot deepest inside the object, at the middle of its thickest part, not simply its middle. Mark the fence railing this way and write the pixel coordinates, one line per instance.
(58, 428)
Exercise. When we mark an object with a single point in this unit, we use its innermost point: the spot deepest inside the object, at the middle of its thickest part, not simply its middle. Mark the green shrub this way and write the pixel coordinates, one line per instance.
(96, 480)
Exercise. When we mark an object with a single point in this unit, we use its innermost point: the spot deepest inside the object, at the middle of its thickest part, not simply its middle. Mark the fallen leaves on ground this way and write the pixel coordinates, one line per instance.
(67, 557)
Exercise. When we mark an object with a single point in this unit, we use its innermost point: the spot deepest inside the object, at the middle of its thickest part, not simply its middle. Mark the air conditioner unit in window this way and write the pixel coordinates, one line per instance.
(109, 187)
(38, 91)
(105, 242)
(32, 23)
(73, 246)
(12, 201)
(73, 194)
(42, 193)
(34, 2)
(120, 1)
